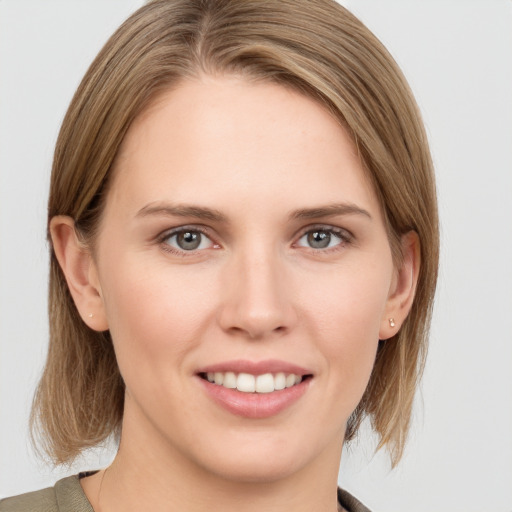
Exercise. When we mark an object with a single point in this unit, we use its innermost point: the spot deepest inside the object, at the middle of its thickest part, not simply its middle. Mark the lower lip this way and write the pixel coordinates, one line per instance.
(255, 405)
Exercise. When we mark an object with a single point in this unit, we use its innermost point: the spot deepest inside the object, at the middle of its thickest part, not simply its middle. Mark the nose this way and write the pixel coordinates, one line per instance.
(257, 297)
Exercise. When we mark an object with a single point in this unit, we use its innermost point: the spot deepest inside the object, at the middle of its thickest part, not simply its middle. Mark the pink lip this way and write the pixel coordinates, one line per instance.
(254, 405)
(255, 368)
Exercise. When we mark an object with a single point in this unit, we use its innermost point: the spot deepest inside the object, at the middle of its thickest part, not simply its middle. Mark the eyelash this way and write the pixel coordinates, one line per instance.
(343, 235)
(164, 238)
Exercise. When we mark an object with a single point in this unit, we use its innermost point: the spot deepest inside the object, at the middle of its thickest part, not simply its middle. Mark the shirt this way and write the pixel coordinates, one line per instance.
(67, 495)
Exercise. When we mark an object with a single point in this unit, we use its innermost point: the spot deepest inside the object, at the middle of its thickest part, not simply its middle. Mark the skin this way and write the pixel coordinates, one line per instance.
(255, 289)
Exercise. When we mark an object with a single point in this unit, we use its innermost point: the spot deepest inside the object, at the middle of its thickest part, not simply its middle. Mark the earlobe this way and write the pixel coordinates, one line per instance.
(80, 271)
(403, 288)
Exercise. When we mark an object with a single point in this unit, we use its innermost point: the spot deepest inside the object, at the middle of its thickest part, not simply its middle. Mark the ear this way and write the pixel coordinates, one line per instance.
(403, 287)
(80, 271)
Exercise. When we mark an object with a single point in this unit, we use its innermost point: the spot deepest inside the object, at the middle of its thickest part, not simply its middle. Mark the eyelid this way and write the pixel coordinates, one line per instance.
(337, 230)
(179, 229)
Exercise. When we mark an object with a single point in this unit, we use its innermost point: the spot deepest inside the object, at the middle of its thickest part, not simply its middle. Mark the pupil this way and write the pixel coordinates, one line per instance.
(319, 239)
(188, 240)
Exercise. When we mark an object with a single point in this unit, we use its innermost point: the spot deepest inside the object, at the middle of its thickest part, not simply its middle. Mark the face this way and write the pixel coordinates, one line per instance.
(245, 275)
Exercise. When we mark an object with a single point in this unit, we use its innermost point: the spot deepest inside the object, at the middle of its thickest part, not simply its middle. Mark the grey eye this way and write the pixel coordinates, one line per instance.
(319, 239)
(322, 238)
(188, 240)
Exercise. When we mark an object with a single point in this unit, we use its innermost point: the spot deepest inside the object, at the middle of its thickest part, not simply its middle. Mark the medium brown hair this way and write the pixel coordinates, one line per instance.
(314, 46)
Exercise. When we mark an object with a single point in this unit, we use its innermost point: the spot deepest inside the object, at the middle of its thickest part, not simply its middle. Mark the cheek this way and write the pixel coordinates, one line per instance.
(154, 312)
(345, 320)
(348, 302)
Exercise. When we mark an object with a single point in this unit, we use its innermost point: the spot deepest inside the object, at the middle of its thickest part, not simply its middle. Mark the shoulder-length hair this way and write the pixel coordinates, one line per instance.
(315, 47)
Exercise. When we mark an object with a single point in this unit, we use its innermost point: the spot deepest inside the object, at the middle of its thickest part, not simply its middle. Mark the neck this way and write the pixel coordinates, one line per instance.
(150, 474)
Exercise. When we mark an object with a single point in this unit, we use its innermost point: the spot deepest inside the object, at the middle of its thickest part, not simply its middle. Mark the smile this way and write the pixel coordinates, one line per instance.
(248, 383)
(255, 389)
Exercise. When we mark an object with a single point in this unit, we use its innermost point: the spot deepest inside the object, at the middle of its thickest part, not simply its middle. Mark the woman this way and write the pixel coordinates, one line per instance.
(244, 241)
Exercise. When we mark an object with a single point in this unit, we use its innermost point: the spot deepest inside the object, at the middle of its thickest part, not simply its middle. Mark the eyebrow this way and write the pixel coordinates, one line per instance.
(168, 210)
(200, 212)
(330, 210)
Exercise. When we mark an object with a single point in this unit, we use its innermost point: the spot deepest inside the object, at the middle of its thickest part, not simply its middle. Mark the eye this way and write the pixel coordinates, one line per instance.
(186, 240)
(323, 238)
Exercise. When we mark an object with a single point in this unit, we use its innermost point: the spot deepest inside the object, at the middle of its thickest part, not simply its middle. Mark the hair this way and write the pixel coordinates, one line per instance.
(315, 47)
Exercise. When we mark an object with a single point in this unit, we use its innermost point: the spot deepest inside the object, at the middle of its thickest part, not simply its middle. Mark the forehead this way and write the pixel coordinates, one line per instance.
(216, 136)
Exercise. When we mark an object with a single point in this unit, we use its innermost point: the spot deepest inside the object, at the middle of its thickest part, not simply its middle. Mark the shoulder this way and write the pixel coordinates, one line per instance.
(66, 496)
(349, 503)
(37, 501)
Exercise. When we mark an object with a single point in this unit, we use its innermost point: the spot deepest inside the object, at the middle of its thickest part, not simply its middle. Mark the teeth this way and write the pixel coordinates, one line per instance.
(229, 380)
(247, 383)
(279, 381)
(290, 380)
(265, 383)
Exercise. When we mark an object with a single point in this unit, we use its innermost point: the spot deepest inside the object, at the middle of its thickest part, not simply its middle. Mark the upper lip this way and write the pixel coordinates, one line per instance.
(255, 367)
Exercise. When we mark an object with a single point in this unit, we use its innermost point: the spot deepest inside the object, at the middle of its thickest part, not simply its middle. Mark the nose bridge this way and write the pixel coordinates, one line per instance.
(257, 298)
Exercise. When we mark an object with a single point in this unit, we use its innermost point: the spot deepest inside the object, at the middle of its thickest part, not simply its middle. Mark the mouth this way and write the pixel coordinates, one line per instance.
(249, 383)
(255, 390)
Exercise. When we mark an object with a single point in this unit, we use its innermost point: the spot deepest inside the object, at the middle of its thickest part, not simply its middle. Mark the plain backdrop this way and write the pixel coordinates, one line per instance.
(457, 55)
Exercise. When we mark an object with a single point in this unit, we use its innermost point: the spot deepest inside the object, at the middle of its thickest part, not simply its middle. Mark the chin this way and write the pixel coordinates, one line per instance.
(264, 458)
(272, 469)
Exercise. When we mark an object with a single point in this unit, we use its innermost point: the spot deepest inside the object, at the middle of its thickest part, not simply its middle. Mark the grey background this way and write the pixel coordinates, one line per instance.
(457, 55)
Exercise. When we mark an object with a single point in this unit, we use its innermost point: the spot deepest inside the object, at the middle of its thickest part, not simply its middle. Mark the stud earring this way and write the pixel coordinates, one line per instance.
(392, 322)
